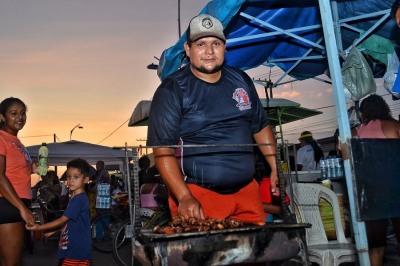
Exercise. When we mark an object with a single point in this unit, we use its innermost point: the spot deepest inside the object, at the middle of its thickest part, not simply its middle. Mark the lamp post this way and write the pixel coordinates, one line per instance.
(72, 130)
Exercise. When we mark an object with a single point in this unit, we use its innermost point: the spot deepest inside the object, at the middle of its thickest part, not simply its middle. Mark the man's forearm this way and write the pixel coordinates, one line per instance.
(171, 173)
(266, 136)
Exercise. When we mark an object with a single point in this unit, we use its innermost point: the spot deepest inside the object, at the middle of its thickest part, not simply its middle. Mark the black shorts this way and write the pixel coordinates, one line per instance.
(9, 213)
(377, 231)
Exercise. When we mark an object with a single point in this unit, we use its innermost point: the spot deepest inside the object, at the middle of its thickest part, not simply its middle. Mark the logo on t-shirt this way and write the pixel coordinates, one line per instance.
(243, 101)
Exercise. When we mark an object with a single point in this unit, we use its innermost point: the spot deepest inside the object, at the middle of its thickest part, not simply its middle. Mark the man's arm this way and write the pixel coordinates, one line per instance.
(172, 176)
(266, 136)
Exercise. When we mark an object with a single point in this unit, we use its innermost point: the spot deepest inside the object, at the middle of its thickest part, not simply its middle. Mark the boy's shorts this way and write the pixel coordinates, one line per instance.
(244, 205)
(74, 262)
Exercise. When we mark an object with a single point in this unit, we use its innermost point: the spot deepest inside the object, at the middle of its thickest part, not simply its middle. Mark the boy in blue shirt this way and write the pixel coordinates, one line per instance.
(75, 244)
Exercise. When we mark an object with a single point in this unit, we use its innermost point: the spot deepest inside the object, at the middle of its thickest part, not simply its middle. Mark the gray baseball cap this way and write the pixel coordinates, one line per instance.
(205, 25)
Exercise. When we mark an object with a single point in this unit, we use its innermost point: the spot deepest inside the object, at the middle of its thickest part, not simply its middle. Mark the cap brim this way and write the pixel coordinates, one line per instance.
(199, 36)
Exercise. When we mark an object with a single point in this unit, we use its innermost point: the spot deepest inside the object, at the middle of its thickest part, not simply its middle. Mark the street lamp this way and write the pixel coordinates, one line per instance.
(72, 130)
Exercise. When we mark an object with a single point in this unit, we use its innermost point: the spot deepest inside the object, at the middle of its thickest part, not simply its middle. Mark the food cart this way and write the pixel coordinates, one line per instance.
(284, 241)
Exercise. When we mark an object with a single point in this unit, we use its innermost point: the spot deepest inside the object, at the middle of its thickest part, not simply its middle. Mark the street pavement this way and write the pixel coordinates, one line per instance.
(45, 254)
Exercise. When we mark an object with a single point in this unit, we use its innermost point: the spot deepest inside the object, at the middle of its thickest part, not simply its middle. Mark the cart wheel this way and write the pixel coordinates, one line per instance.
(122, 246)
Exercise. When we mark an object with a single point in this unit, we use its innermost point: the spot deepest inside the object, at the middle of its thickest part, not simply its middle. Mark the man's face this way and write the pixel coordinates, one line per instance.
(206, 55)
(397, 17)
(302, 143)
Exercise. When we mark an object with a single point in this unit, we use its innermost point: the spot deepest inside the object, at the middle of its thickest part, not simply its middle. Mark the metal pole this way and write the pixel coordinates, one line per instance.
(179, 19)
(343, 122)
(129, 232)
(55, 140)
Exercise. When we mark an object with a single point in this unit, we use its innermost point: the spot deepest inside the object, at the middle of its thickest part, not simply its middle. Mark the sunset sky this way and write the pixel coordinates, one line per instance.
(84, 62)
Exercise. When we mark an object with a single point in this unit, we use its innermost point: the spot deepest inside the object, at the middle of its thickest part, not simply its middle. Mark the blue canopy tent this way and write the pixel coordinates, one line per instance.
(289, 34)
(305, 39)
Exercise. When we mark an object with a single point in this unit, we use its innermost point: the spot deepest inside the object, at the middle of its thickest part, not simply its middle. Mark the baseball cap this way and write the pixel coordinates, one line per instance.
(205, 25)
(305, 134)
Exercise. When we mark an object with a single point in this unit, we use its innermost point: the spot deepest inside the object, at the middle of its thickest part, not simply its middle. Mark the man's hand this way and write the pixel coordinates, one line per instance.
(274, 183)
(190, 207)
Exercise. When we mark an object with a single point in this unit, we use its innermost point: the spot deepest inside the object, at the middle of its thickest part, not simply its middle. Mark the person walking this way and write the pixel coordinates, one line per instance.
(75, 243)
(16, 168)
(377, 123)
(209, 103)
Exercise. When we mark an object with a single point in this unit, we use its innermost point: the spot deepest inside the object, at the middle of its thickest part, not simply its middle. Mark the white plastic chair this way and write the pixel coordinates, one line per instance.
(320, 250)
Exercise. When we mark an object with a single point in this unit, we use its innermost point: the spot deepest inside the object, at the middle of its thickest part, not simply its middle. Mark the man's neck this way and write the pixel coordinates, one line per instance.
(210, 78)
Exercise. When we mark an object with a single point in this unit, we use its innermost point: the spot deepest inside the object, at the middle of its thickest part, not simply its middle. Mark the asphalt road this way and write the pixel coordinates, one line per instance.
(45, 254)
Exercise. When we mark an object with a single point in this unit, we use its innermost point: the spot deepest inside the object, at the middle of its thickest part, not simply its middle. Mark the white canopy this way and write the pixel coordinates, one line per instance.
(62, 152)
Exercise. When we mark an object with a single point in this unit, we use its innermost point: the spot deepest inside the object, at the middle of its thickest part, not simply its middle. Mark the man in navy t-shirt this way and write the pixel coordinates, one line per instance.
(205, 117)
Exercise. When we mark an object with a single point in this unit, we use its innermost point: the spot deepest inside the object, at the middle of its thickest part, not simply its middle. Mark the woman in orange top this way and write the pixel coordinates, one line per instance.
(16, 168)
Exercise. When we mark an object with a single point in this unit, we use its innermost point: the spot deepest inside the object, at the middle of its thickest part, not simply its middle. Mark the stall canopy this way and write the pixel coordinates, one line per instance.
(61, 153)
(289, 34)
(279, 112)
(283, 111)
(140, 114)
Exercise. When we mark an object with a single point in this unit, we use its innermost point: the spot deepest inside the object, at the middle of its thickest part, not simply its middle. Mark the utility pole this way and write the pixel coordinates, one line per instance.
(55, 140)
(142, 139)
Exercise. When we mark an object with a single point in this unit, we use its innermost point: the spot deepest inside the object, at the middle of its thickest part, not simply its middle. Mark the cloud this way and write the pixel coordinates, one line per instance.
(287, 94)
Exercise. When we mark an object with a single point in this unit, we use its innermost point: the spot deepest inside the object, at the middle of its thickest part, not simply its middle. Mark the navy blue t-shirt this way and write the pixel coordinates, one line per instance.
(75, 239)
(190, 111)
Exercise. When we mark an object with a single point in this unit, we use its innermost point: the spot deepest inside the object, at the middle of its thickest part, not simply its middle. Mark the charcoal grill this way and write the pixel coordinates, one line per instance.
(254, 244)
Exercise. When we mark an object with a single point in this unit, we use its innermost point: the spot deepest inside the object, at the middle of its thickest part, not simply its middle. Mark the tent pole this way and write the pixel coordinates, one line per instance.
(336, 25)
(343, 122)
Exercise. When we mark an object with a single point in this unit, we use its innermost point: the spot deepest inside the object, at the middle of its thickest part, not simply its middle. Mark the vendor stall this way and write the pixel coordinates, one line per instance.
(248, 243)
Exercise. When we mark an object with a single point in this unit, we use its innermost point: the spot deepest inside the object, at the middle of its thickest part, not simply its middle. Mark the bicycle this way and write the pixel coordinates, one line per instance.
(122, 241)
(103, 226)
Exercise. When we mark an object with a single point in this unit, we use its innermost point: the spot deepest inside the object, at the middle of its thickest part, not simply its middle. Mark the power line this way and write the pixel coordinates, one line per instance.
(113, 131)
(37, 136)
